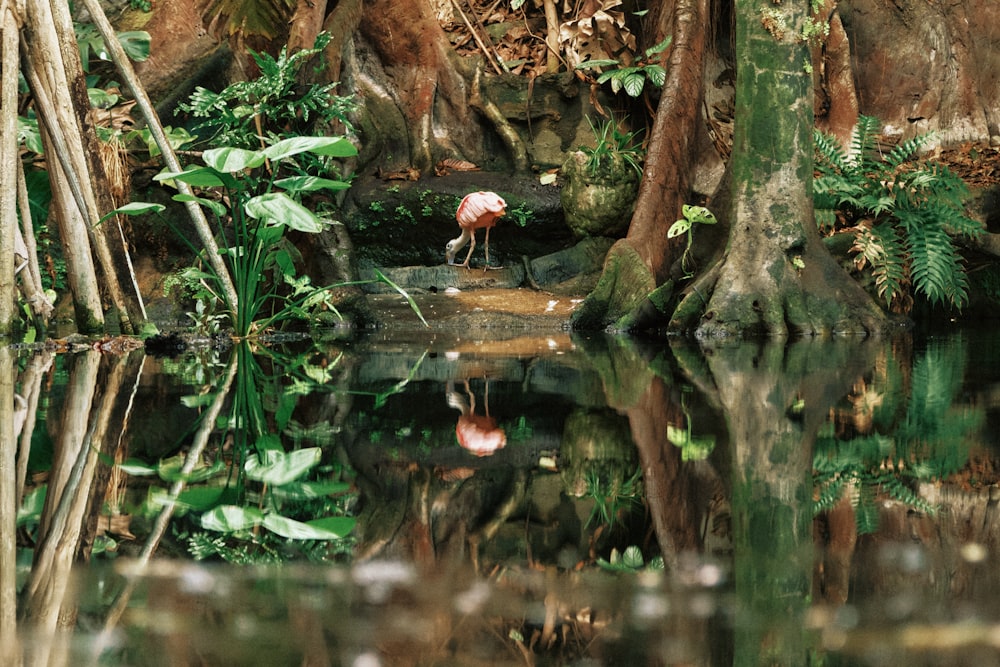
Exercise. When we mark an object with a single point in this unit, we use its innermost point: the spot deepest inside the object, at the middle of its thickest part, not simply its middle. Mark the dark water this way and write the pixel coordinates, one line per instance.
(528, 500)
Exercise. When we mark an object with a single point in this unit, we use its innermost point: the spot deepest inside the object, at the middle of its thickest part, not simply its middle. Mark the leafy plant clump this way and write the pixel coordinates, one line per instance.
(613, 149)
(905, 213)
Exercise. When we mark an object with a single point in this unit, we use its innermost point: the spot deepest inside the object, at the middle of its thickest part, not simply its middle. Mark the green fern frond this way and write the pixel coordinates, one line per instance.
(935, 266)
(864, 145)
(894, 487)
(830, 156)
(906, 150)
(882, 248)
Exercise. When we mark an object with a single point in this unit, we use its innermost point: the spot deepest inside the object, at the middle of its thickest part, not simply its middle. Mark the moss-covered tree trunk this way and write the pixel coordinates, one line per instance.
(775, 278)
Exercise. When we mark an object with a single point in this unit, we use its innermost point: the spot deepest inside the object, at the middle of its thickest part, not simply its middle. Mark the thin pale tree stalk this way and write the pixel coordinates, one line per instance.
(8, 155)
(9, 651)
(100, 200)
(33, 289)
(134, 85)
(60, 117)
(48, 593)
(193, 457)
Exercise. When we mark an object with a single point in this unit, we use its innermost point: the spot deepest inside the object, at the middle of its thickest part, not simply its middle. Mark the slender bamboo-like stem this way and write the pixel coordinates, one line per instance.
(8, 155)
(145, 106)
(33, 290)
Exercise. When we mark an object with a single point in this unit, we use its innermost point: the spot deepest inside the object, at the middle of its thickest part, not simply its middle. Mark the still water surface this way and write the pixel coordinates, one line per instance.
(534, 500)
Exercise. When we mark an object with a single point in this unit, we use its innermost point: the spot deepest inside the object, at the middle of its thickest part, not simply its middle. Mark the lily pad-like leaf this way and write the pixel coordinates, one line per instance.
(229, 159)
(231, 518)
(331, 146)
(280, 209)
(282, 467)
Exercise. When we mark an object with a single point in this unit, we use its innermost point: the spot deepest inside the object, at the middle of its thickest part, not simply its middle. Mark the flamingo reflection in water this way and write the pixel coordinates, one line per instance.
(478, 434)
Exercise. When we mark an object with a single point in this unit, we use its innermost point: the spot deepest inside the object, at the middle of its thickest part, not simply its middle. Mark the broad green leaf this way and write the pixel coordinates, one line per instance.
(310, 183)
(218, 208)
(169, 470)
(282, 468)
(134, 208)
(660, 47)
(310, 490)
(197, 498)
(297, 530)
(634, 83)
(332, 146)
(197, 400)
(341, 525)
(698, 214)
(632, 558)
(101, 99)
(136, 468)
(280, 209)
(200, 177)
(678, 228)
(135, 43)
(657, 75)
(230, 159)
(231, 518)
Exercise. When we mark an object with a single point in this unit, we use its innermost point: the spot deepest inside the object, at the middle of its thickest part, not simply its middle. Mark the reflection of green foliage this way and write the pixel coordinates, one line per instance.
(613, 493)
(265, 502)
(693, 447)
(928, 441)
(630, 561)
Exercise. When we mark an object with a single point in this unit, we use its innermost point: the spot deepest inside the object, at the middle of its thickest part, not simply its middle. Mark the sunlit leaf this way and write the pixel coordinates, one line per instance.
(231, 518)
(310, 183)
(281, 467)
(136, 468)
(200, 177)
(340, 525)
(101, 99)
(331, 146)
(678, 228)
(310, 490)
(280, 209)
(633, 83)
(229, 159)
(632, 558)
(297, 530)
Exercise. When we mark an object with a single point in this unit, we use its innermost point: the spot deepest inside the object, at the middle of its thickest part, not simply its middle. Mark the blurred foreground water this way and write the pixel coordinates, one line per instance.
(530, 500)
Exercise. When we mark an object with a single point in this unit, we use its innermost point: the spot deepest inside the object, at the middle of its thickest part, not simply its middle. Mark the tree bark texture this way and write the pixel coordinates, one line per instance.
(9, 66)
(641, 261)
(776, 278)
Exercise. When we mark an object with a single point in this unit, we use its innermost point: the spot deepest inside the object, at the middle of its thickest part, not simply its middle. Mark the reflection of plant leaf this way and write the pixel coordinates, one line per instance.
(282, 468)
(310, 490)
(169, 470)
(231, 518)
(297, 530)
(677, 436)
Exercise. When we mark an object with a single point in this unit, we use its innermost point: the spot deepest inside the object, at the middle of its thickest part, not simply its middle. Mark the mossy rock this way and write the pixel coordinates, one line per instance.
(598, 204)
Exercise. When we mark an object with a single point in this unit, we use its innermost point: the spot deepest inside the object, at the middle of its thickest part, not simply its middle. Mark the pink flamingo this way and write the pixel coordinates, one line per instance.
(477, 210)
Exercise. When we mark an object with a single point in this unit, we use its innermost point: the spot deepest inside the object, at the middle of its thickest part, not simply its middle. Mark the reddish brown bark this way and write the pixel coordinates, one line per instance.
(666, 180)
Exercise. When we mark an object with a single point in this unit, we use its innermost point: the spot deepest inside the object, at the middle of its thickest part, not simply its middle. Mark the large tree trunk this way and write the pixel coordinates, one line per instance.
(641, 261)
(776, 277)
